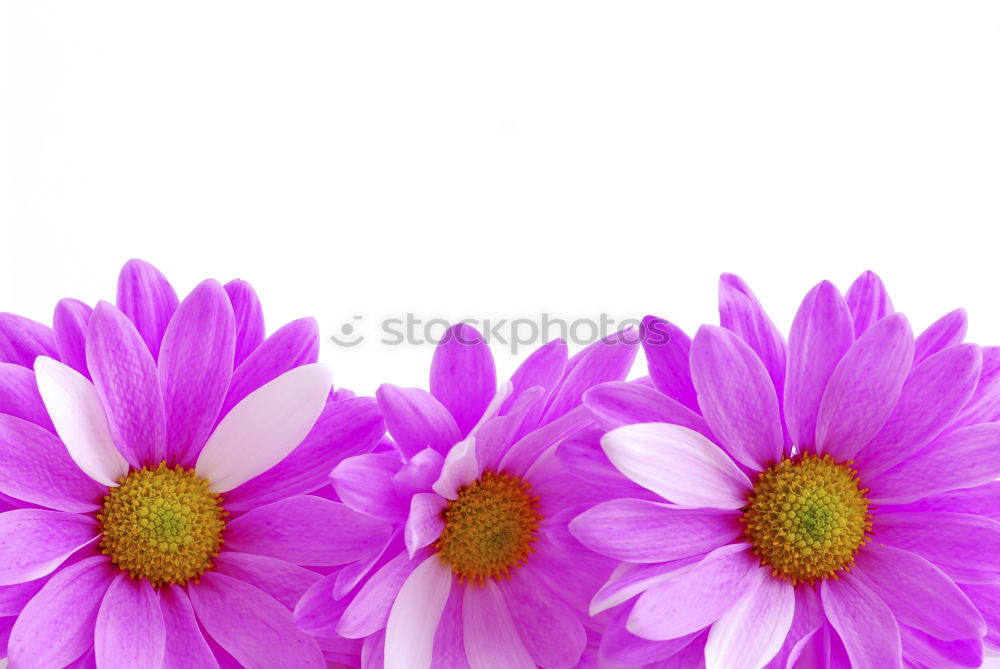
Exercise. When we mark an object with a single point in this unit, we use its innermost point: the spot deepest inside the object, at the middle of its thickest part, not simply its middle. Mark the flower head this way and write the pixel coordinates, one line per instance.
(816, 503)
(481, 570)
(157, 459)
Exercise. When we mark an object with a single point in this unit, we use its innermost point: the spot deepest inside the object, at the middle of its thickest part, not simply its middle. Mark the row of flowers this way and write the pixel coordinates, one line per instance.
(178, 491)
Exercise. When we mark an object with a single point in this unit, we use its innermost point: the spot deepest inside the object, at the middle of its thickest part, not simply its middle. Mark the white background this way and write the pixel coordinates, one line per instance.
(502, 159)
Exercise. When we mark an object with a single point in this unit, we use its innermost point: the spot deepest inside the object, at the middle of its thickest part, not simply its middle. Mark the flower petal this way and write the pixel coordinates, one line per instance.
(549, 630)
(35, 468)
(125, 377)
(638, 531)
(680, 465)
(417, 420)
(346, 428)
(282, 580)
(195, 367)
(424, 523)
(69, 326)
(742, 313)
(264, 428)
(369, 610)
(148, 299)
(753, 630)
(737, 397)
(934, 392)
(668, 353)
(45, 635)
(185, 646)
(947, 331)
(365, 484)
(864, 623)
(964, 458)
(543, 369)
(76, 411)
(695, 597)
(22, 340)
(821, 333)
(307, 530)
(19, 395)
(984, 405)
(317, 612)
(449, 645)
(608, 359)
(461, 467)
(491, 640)
(922, 649)
(919, 594)
(868, 301)
(291, 346)
(617, 404)
(37, 541)
(463, 376)
(249, 318)
(251, 625)
(964, 546)
(864, 387)
(130, 631)
(415, 614)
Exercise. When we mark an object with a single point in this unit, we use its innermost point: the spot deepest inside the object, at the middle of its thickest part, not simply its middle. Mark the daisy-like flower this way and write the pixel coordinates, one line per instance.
(159, 473)
(483, 572)
(814, 505)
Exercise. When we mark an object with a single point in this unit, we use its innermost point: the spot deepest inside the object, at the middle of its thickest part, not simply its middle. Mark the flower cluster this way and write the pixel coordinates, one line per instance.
(180, 490)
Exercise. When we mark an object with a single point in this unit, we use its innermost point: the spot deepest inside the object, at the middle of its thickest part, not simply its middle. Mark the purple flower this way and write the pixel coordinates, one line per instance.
(828, 503)
(158, 458)
(482, 571)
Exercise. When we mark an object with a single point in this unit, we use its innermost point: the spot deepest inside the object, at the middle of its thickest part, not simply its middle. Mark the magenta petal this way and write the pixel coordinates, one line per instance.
(449, 644)
(282, 580)
(463, 376)
(35, 467)
(249, 318)
(417, 420)
(185, 646)
(251, 625)
(126, 380)
(984, 405)
(69, 326)
(934, 392)
(964, 458)
(294, 345)
(344, 429)
(129, 631)
(317, 612)
(982, 500)
(986, 598)
(919, 594)
(22, 340)
(737, 397)
(57, 626)
(543, 369)
(148, 299)
(365, 484)
(307, 530)
(369, 610)
(965, 547)
(425, 522)
(694, 598)
(195, 367)
(947, 331)
(864, 387)
(821, 333)
(639, 531)
(582, 456)
(37, 541)
(864, 623)
(606, 360)
(868, 301)
(617, 404)
(488, 630)
(668, 353)
(551, 632)
(922, 649)
(19, 395)
(742, 313)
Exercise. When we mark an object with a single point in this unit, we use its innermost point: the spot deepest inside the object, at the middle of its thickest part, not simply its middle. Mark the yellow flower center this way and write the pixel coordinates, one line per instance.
(489, 528)
(163, 525)
(807, 517)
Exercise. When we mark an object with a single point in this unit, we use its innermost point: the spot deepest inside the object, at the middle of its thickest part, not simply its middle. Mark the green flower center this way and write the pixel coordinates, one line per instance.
(807, 517)
(163, 525)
